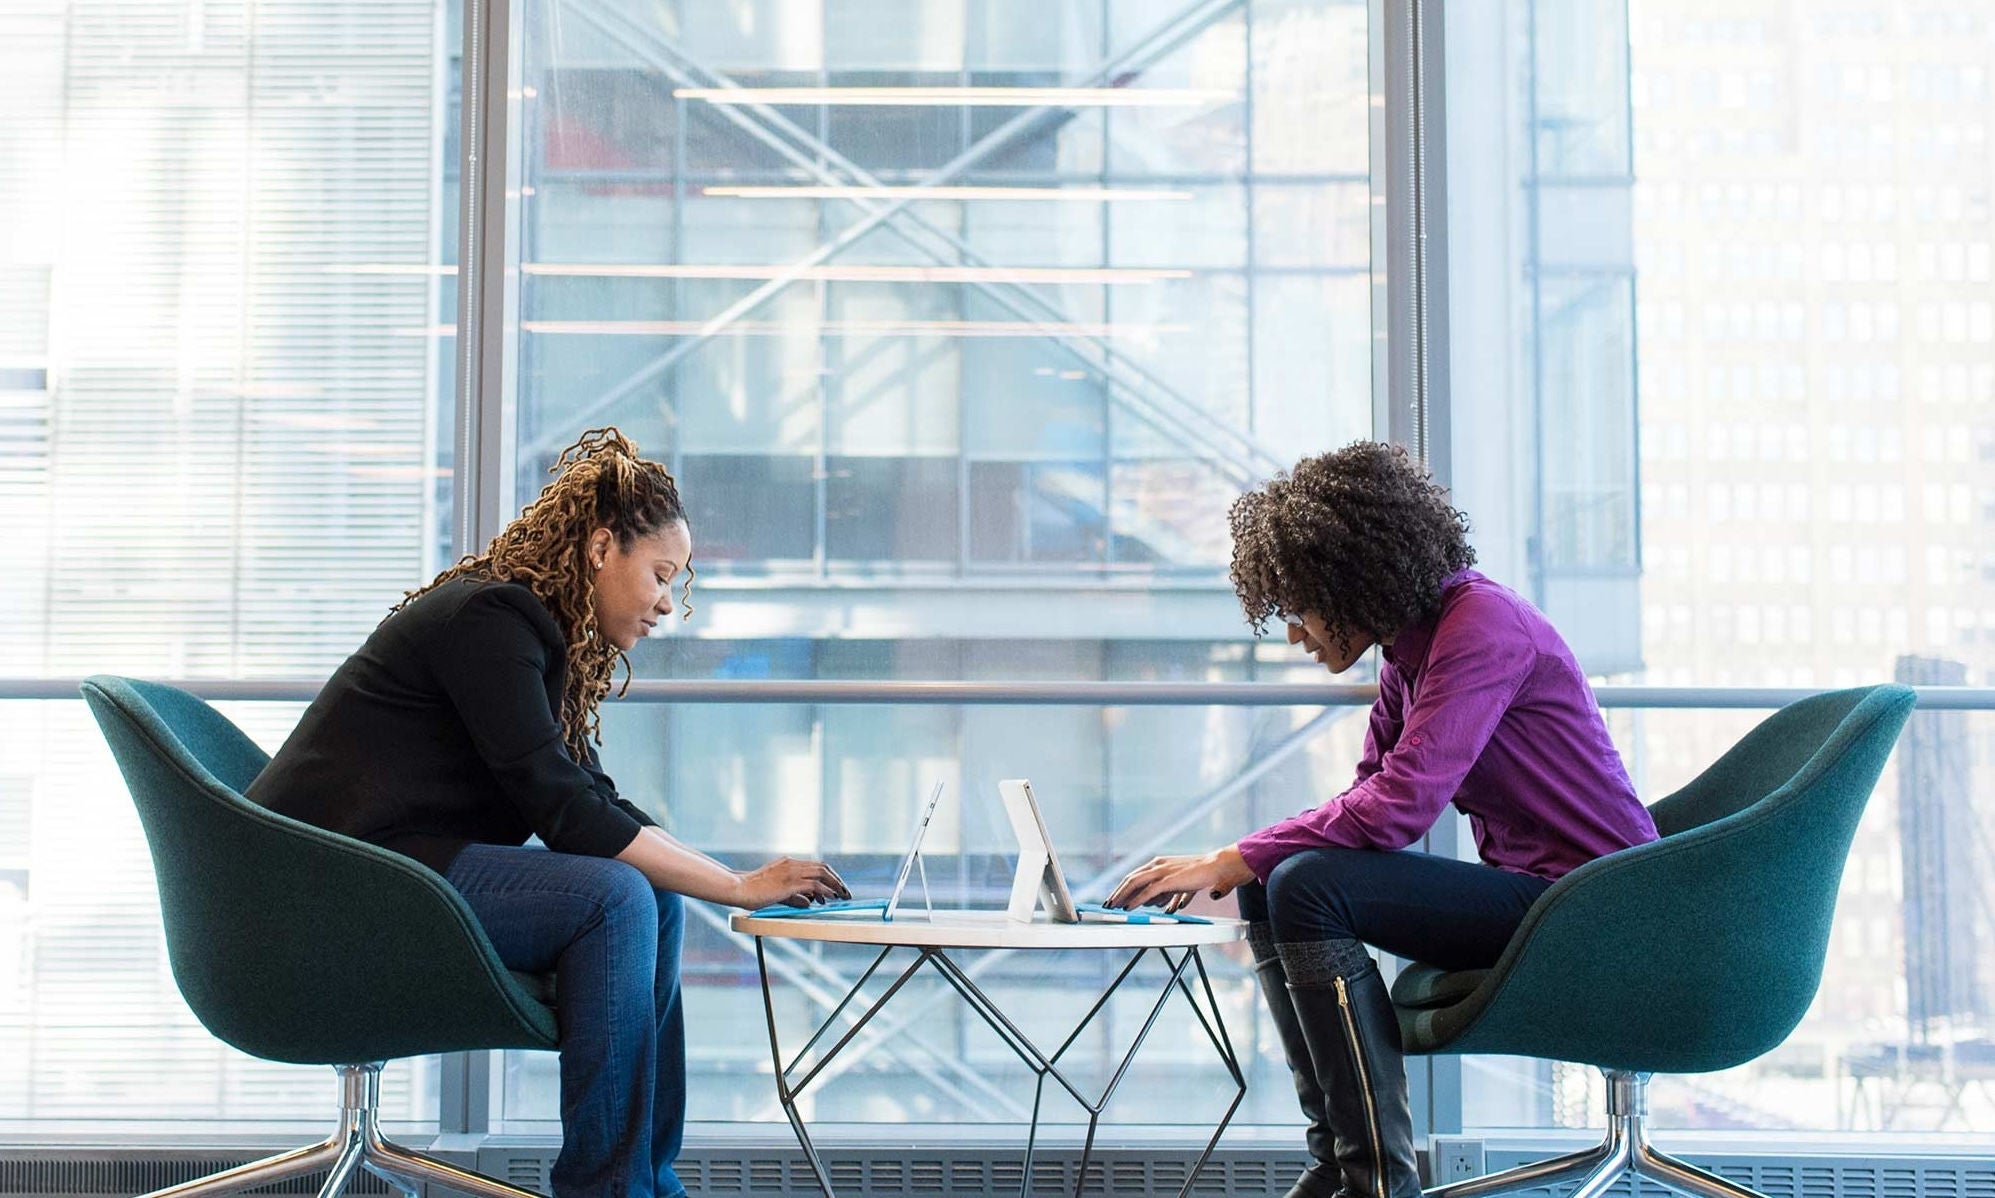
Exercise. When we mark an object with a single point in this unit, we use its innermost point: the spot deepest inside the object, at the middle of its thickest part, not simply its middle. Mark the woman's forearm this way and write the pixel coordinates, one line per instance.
(669, 865)
(682, 846)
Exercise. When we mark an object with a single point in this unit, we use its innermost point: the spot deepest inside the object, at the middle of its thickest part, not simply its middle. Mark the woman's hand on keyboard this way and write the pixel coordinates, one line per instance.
(1174, 881)
(788, 880)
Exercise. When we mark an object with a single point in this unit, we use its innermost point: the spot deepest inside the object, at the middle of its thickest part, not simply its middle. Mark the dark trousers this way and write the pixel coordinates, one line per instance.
(1436, 910)
(613, 943)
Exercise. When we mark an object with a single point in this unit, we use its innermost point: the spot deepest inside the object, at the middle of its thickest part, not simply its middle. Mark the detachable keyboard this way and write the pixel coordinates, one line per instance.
(1096, 913)
(876, 907)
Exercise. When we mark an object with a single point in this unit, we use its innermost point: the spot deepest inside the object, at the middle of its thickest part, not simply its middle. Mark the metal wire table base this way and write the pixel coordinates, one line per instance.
(1184, 970)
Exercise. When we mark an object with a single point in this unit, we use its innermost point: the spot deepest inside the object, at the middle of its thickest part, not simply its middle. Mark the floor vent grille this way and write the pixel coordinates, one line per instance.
(929, 1171)
(1810, 1176)
(80, 1173)
(932, 1171)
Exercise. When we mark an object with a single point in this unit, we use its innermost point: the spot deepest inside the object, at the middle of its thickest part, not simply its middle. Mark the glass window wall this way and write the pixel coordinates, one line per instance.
(962, 324)
(959, 375)
(1749, 360)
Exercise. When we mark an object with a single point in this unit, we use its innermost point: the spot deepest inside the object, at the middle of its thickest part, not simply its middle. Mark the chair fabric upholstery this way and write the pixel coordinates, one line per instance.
(1698, 951)
(289, 942)
(1424, 987)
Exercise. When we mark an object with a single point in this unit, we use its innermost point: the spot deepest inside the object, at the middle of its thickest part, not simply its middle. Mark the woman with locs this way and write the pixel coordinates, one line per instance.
(1480, 705)
(467, 723)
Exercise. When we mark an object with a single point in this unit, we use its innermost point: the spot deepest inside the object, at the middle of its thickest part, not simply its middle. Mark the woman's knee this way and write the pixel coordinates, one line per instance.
(625, 896)
(1304, 897)
(619, 944)
(1288, 882)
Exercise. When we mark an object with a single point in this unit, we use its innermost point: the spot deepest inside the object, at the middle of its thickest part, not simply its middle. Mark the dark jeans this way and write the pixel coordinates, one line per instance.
(1448, 913)
(613, 945)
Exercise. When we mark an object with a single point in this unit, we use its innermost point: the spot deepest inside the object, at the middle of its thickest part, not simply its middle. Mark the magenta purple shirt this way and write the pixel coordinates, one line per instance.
(1482, 705)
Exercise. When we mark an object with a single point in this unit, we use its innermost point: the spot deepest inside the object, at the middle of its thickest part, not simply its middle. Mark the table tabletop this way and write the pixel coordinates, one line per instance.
(986, 929)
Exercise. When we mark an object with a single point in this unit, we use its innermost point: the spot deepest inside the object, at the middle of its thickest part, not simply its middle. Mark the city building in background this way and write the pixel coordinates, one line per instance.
(1812, 230)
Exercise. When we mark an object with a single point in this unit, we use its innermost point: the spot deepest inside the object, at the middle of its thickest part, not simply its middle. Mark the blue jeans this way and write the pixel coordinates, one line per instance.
(612, 943)
(1447, 913)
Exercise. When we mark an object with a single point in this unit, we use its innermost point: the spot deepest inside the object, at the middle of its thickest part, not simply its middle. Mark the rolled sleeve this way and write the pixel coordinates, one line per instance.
(603, 785)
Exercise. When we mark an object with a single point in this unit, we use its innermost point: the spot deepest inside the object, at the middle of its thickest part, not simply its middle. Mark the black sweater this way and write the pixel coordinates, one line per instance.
(443, 730)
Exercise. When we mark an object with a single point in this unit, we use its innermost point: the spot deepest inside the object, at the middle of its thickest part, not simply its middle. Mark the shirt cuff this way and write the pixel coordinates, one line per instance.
(635, 812)
(1264, 850)
(609, 832)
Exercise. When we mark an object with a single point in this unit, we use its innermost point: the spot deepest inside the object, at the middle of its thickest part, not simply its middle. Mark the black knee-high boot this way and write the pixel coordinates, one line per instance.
(1320, 1179)
(1346, 1018)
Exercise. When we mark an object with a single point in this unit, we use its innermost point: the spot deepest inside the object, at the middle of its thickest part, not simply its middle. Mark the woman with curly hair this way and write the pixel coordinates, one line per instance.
(467, 723)
(1481, 705)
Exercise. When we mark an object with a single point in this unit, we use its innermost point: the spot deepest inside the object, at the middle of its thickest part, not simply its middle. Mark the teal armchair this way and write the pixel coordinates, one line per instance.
(1697, 952)
(296, 944)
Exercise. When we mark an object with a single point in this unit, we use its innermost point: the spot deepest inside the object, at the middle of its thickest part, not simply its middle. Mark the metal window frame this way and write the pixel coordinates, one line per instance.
(487, 285)
(487, 334)
(1413, 157)
(1410, 150)
(1041, 694)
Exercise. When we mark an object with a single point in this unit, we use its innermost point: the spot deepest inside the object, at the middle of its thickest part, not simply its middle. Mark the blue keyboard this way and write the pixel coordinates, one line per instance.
(833, 907)
(1117, 915)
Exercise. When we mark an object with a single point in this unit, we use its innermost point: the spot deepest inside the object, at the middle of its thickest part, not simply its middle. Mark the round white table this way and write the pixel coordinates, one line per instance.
(931, 936)
(987, 929)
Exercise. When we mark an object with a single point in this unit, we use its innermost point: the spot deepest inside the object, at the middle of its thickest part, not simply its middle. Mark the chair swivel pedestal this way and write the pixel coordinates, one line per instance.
(1625, 1150)
(356, 1144)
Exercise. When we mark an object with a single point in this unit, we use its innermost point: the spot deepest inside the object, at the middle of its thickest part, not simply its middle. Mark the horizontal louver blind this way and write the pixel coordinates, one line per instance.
(228, 472)
(241, 422)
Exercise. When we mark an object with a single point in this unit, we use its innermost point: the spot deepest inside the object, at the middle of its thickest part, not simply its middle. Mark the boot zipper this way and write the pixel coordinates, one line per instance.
(1364, 1084)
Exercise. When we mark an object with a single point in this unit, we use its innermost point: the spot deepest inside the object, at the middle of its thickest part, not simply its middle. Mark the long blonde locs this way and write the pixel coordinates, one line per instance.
(601, 481)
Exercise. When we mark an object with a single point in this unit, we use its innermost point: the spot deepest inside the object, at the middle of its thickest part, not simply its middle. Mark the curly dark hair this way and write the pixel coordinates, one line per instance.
(1362, 537)
(601, 481)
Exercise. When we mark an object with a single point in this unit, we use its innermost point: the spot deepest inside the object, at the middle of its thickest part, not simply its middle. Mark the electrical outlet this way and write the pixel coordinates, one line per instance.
(1454, 1158)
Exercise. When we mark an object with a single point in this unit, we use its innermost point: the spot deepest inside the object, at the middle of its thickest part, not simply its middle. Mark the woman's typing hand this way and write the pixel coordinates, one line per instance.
(1175, 881)
(789, 880)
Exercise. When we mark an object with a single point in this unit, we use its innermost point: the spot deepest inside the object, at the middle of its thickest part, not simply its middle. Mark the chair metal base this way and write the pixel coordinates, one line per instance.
(356, 1145)
(1626, 1150)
